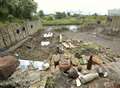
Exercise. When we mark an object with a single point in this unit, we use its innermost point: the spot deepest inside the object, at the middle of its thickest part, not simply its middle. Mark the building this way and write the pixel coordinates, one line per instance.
(114, 12)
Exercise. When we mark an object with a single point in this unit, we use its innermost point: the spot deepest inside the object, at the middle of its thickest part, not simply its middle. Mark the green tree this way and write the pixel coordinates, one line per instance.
(26, 8)
(41, 13)
(60, 15)
(3, 9)
(17, 8)
(68, 14)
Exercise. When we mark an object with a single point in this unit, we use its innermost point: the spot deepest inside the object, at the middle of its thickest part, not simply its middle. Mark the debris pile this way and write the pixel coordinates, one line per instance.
(50, 62)
(89, 67)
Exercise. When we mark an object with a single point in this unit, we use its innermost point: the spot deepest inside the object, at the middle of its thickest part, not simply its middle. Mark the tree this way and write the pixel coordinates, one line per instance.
(26, 8)
(95, 14)
(3, 9)
(68, 14)
(41, 13)
(60, 15)
(17, 8)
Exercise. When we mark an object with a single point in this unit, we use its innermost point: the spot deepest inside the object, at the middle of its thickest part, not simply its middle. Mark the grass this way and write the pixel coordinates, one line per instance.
(63, 21)
(74, 20)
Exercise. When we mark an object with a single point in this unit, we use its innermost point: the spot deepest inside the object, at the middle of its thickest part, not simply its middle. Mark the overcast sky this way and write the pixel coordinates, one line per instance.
(86, 6)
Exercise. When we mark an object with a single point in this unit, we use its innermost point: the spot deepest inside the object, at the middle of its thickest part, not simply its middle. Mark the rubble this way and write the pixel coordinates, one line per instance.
(26, 79)
(78, 83)
(60, 38)
(84, 59)
(60, 49)
(89, 77)
(48, 35)
(63, 63)
(72, 73)
(68, 45)
(45, 43)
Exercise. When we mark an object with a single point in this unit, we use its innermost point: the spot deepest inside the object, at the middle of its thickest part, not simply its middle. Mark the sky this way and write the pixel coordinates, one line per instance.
(78, 6)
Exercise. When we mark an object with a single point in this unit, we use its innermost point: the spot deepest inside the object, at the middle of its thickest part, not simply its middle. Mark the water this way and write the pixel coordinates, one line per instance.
(40, 65)
(72, 28)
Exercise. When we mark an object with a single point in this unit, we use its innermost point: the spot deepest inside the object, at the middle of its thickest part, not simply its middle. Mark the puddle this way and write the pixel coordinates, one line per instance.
(39, 65)
(73, 28)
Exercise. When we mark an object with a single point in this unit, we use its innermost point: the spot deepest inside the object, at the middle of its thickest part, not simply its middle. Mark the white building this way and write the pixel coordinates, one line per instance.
(114, 12)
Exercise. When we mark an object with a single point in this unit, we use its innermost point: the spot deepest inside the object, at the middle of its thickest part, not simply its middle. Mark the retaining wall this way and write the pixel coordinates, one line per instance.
(14, 32)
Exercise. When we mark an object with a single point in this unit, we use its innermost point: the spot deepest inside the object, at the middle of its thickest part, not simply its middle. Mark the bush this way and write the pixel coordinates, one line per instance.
(48, 18)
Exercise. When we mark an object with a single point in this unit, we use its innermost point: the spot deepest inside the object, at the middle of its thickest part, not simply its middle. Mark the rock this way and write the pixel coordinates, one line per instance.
(94, 59)
(60, 49)
(97, 60)
(55, 60)
(60, 38)
(48, 35)
(75, 61)
(8, 65)
(71, 45)
(45, 43)
(89, 77)
(66, 45)
(72, 73)
(79, 68)
(84, 59)
(64, 64)
(78, 83)
(46, 66)
(77, 55)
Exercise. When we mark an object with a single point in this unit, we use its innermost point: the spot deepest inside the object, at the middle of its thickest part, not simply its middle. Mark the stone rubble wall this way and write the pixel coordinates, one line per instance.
(14, 32)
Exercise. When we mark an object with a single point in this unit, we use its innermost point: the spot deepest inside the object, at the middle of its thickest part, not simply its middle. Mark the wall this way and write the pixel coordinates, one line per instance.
(115, 23)
(113, 26)
(14, 32)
